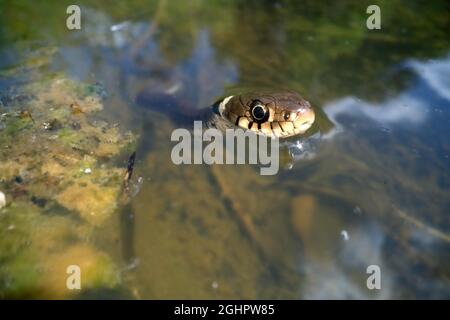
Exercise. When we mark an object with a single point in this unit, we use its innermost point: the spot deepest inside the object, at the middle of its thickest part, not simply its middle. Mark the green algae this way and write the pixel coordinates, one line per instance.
(14, 125)
(36, 250)
(57, 171)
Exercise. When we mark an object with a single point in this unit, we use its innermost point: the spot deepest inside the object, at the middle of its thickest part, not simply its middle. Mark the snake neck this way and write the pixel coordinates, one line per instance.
(209, 116)
(181, 113)
(212, 119)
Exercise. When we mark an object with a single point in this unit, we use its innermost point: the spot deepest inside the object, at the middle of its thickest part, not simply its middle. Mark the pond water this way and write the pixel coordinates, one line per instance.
(371, 187)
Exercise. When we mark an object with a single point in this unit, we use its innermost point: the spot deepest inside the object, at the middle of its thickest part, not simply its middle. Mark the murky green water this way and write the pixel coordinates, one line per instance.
(372, 187)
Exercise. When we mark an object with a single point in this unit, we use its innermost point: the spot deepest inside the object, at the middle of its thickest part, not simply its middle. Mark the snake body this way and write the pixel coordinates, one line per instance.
(279, 114)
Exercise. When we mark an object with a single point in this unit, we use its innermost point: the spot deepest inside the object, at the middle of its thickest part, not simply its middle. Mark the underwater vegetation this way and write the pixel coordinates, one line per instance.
(59, 181)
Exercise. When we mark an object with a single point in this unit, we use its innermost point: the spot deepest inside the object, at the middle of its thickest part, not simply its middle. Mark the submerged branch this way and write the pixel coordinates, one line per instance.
(428, 229)
(126, 194)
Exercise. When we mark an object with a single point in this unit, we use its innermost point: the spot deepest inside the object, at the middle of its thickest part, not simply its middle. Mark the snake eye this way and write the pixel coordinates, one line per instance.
(286, 116)
(259, 112)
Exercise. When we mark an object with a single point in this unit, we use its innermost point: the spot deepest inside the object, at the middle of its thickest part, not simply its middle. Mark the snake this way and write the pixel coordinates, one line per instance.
(279, 114)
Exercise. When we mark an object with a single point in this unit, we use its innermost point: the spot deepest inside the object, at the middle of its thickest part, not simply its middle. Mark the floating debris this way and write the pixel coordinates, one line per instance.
(51, 125)
(75, 125)
(385, 129)
(2, 200)
(26, 114)
(345, 235)
(127, 193)
(76, 109)
(18, 179)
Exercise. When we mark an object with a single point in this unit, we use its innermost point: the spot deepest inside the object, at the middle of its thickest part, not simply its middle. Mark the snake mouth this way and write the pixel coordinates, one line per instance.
(304, 121)
(299, 123)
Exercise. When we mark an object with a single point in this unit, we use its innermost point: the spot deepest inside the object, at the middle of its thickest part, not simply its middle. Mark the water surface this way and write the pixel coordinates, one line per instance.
(373, 190)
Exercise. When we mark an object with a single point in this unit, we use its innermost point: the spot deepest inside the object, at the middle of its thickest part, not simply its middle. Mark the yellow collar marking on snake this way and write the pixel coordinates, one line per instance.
(223, 104)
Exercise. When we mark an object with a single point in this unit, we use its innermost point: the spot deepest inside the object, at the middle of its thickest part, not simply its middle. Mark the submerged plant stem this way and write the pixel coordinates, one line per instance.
(428, 229)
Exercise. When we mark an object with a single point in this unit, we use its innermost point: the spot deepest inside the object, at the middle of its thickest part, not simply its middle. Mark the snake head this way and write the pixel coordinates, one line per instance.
(280, 114)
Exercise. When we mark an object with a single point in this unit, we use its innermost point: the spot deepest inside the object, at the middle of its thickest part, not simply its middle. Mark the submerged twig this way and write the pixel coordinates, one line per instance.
(240, 214)
(243, 219)
(130, 167)
(149, 32)
(26, 114)
(126, 219)
(126, 195)
(419, 224)
(400, 213)
(284, 275)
